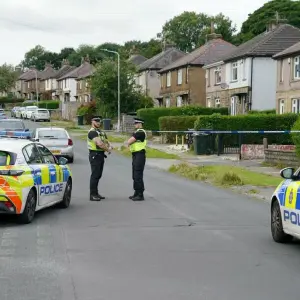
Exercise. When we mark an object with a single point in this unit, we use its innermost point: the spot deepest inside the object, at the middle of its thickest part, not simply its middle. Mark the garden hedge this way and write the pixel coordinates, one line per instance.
(296, 136)
(262, 112)
(180, 123)
(8, 100)
(250, 122)
(50, 104)
(151, 115)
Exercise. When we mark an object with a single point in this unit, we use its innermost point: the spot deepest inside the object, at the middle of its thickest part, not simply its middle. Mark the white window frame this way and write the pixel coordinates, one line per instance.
(296, 67)
(281, 106)
(179, 77)
(168, 79)
(218, 75)
(234, 71)
(217, 102)
(244, 68)
(281, 71)
(295, 106)
(168, 102)
(233, 108)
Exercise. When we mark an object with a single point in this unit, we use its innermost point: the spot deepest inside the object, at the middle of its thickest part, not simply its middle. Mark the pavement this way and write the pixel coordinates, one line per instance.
(188, 240)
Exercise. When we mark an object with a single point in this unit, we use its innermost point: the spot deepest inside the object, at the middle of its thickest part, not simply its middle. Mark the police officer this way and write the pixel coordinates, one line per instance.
(97, 144)
(137, 144)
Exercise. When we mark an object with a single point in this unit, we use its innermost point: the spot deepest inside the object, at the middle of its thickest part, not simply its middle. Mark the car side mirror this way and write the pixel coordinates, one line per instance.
(27, 129)
(62, 161)
(287, 173)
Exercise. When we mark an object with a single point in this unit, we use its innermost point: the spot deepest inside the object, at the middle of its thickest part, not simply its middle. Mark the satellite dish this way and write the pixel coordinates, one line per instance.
(224, 85)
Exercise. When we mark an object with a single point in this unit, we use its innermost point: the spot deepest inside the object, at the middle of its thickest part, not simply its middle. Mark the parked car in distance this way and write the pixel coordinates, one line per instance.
(28, 111)
(12, 125)
(57, 140)
(2, 115)
(19, 112)
(40, 114)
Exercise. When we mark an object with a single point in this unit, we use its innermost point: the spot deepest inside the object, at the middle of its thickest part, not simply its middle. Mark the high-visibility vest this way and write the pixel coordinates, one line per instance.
(138, 145)
(91, 144)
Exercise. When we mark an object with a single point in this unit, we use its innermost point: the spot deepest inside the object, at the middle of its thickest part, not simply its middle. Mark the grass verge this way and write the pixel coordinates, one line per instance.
(150, 153)
(225, 175)
(112, 139)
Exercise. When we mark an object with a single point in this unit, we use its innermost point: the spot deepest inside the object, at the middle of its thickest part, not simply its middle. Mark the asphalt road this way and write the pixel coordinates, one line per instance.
(186, 241)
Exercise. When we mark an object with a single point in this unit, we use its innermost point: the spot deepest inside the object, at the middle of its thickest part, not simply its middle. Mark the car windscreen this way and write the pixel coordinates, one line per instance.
(12, 125)
(42, 110)
(52, 134)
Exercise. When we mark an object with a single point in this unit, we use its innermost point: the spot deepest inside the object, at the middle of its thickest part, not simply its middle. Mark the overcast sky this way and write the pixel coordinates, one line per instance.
(56, 24)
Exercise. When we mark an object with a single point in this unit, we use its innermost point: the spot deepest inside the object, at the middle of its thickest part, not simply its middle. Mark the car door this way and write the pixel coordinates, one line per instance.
(34, 160)
(53, 191)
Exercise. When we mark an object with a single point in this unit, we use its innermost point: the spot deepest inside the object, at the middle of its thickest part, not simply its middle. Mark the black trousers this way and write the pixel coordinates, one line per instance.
(97, 164)
(138, 166)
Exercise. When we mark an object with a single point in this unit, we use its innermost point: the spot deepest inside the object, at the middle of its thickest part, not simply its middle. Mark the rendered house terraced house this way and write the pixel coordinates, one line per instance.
(251, 72)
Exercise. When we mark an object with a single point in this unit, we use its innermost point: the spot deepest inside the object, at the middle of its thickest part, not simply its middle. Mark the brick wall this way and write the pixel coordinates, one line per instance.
(284, 157)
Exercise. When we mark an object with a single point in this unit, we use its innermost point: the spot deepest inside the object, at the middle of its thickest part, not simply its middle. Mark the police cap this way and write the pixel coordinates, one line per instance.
(138, 120)
(97, 118)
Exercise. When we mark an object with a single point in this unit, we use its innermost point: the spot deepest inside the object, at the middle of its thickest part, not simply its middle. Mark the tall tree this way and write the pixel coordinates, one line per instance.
(104, 85)
(33, 58)
(147, 49)
(259, 19)
(8, 77)
(189, 29)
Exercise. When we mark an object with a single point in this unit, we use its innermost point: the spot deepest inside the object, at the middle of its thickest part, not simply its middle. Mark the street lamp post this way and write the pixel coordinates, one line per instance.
(119, 106)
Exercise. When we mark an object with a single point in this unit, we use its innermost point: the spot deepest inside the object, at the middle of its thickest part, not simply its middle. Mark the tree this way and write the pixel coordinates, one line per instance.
(33, 58)
(259, 19)
(104, 85)
(189, 29)
(147, 49)
(8, 77)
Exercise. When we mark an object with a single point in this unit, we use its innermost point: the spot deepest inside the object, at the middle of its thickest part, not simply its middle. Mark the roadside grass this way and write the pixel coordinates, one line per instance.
(65, 124)
(150, 153)
(225, 176)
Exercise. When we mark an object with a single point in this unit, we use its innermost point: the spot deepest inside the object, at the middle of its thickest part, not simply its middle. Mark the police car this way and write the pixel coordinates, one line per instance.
(31, 178)
(285, 207)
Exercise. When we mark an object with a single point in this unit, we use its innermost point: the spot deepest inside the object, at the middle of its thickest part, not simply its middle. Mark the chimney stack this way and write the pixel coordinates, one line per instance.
(274, 23)
(65, 62)
(168, 45)
(87, 58)
(212, 35)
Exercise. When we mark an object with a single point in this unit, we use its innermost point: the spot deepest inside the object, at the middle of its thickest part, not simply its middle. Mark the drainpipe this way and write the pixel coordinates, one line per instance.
(251, 82)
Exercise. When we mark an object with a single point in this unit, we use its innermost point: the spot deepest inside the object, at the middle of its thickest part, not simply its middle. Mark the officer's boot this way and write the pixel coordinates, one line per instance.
(138, 197)
(134, 195)
(95, 198)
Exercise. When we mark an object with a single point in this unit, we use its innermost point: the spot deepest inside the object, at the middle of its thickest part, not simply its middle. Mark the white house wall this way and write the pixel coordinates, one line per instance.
(264, 83)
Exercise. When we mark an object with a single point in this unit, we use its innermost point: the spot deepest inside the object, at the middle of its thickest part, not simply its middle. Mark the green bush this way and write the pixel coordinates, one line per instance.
(50, 104)
(296, 136)
(4, 100)
(262, 112)
(87, 110)
(250, 122)
(151, 115)
(180, 123)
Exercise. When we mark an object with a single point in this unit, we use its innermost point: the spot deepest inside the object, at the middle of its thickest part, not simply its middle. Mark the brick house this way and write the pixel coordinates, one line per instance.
(183, 82)
(48, 82)
(288, 80)
(32, 84)
(148, 77)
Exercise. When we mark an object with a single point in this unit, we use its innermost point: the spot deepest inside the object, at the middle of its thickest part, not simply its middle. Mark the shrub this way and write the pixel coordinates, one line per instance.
(4, 100)
(180, 123)
(151, 115)
(50, 104)
(87, 110)
(250, 122)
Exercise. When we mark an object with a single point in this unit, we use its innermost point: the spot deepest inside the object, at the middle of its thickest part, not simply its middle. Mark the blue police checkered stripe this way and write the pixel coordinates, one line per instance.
(36, 178)
(66, 174)
(52, 177)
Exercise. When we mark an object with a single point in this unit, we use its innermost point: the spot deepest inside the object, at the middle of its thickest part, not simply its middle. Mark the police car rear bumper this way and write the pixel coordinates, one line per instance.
(6, 206)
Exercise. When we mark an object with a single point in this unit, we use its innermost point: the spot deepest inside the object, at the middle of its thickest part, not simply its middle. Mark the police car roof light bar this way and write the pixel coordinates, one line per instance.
(15, 134)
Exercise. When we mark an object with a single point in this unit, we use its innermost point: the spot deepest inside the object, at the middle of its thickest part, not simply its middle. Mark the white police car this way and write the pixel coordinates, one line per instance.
(285, 207)
(31, 178)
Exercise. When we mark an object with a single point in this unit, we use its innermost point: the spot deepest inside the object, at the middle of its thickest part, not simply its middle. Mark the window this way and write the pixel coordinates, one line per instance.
(295, 106)
(80, 84)
(48, 157)
(162, 81)
(86, 83)
(234, 71)
(217, 102)
(244, 68)
(218, 77)
(5, 159)
(179, 101)
(281, 106)
(208, 102)
(187, 75)
(168, 102)
(281, 71)
(207, 76)
(297, 67)
(179, 77)
(169, 79)
(65, 83)
(32, 155)
(233, 106)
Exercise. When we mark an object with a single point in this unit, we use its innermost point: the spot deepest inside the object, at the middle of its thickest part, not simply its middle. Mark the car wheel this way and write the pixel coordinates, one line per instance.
(71, 159)
(29, 211)
(278, 234)
(65, 203)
